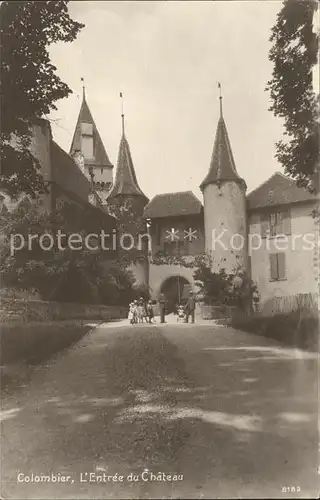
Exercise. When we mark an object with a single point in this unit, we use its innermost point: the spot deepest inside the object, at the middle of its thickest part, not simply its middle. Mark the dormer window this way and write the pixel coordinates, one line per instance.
(86, 128)
(87, 140)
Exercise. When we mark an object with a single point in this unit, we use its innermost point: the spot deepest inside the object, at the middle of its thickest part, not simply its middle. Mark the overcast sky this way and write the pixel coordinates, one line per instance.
(166, 59)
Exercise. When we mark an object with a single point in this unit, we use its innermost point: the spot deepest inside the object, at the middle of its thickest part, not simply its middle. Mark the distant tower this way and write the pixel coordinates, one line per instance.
(224, 194)
(126, 191)
(88, 151)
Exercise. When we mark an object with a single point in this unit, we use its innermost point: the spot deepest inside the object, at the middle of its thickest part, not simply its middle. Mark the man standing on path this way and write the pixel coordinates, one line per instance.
(190, 308)
(162, 303)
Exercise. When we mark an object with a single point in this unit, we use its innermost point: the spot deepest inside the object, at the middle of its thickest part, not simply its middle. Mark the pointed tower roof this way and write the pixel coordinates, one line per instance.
(125, 182)
(222, 165)
(100, 155)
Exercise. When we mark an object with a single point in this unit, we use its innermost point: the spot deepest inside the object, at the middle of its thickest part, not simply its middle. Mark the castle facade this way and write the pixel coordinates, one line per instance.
(269, 233)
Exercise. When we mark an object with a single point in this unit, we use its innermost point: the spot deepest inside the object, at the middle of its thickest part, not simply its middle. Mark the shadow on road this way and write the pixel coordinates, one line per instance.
(239, 421)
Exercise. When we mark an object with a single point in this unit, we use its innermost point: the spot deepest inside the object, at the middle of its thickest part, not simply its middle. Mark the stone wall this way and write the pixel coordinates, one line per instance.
(22, 311)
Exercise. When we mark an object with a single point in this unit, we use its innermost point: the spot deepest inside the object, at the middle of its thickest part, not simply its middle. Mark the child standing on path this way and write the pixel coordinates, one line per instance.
(131, 311)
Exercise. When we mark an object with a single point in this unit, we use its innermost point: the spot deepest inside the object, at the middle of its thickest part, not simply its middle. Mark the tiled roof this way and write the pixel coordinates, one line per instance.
(100, 155)
(173, 204)
(125, 180)
(222, 165)
(277, 190)
(67, 174)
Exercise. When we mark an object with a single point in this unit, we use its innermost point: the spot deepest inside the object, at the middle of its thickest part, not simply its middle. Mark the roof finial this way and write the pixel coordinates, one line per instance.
(122, 114)
(83, 89)
(220, 98)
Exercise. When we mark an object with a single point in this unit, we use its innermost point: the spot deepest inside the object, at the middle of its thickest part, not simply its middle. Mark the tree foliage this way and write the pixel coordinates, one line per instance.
(222, 288)
(66, 273)
(29, 83)
(218, 288)
(294, 55)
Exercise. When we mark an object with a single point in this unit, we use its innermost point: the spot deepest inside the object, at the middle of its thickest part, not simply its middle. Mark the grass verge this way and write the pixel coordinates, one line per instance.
(25, 346)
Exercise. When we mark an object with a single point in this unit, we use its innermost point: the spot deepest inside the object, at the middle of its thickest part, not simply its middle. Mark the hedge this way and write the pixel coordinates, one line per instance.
(297, 328)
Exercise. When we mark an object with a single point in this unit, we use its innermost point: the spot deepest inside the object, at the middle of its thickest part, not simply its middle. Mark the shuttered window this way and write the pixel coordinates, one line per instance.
(275, 223)
(273, 266)
(265, 224)
(277, 266)
(280, 223)
(281, 266)
(287, 222)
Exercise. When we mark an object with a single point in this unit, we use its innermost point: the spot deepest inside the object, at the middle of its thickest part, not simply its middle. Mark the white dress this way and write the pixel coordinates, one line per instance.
(130, 315)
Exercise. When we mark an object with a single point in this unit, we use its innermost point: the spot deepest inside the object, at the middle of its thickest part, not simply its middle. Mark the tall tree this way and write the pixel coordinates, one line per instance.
(294, 55)
(29, 83)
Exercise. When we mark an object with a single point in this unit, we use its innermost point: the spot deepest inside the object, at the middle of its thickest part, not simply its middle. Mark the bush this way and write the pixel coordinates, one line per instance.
(297, 328)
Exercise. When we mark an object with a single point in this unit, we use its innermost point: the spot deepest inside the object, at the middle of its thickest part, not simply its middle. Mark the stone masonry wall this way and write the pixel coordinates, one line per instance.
(22, 311)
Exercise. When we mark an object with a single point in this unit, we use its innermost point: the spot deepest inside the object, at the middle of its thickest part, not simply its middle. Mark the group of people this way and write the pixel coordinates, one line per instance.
(140, 311)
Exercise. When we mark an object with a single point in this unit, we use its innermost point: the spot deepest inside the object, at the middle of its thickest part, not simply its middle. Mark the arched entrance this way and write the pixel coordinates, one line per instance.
(175, 289)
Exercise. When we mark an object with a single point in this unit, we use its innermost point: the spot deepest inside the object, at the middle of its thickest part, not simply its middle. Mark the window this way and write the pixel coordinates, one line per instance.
(277, 266)
(276, 223)
(181, 247)
(173, 248)
(86, 129)
(169, 247)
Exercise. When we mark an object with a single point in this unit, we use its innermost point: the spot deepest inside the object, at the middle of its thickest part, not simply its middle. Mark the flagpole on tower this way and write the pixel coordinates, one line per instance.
(122, 113)
(83, 89)
(220, 98)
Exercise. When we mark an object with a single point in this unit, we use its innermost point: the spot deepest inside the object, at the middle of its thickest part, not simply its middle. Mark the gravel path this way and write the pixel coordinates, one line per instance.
(221, 413)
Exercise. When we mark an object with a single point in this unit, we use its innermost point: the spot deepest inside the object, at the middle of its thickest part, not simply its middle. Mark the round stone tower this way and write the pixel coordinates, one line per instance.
(225, 219)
